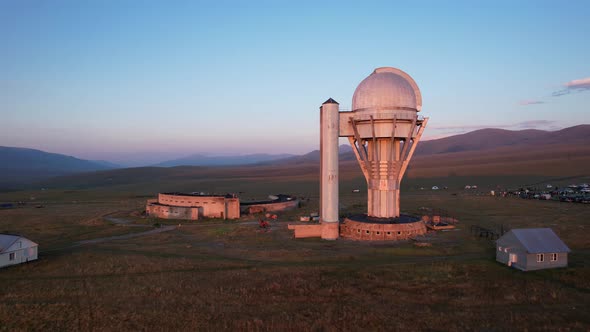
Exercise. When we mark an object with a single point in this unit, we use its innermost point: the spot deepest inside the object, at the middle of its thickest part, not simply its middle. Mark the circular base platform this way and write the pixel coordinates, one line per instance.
(402, 219)
(366, 228)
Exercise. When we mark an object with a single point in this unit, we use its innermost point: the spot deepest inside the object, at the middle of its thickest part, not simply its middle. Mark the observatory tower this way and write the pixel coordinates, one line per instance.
(383, 128)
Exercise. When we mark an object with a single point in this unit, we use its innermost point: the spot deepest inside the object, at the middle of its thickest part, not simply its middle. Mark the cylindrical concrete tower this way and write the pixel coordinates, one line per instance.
(329, 129)
(384, 129)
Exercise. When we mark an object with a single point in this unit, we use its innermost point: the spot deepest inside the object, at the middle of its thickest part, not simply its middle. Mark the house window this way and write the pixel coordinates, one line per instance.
(540, 258)
(11, 256)
(553, 257)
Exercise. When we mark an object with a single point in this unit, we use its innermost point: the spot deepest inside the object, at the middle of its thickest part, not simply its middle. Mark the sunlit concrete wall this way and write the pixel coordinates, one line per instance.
(173, 212)
(304, 231)
(232, 208)
(381, 232)
(437, 219)
(271, 207)
(213, 206)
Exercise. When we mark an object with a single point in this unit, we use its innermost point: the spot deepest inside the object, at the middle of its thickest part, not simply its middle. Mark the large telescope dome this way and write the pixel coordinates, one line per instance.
(387, 88)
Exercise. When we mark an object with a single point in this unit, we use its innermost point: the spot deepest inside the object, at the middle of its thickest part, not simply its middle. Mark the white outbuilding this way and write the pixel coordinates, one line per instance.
(531, 249)
(15, 249)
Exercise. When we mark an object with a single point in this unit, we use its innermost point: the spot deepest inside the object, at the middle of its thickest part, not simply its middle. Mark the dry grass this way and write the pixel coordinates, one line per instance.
(230, 276)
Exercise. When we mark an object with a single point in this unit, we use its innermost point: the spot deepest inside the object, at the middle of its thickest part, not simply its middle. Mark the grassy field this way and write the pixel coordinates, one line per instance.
(227, 275)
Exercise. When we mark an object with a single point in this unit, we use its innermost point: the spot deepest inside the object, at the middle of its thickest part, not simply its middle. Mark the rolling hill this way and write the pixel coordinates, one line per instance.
(203, 160)
(345, 152)
(20, 165)
(538, 155)
(486, 139)
(482, 153)
(480, 140)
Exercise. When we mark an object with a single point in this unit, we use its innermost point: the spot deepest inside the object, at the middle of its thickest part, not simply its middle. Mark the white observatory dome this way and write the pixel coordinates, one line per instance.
(387, 88)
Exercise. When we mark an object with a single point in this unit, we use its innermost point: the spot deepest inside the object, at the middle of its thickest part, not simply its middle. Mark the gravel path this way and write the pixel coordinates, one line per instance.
(124, 222)
(117, 221)
(125, 236)
(128, 223)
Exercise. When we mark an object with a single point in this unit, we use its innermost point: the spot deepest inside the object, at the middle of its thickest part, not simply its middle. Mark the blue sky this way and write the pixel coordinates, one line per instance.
(137, 82)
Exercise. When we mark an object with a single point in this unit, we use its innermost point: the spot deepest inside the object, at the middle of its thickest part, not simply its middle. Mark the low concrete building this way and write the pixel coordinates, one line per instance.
(15, 249)
(276, 203)
(163, 211)
(193, 206)
(531, 249)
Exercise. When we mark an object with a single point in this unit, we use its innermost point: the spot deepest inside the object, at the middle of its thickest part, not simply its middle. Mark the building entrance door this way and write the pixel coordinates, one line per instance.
(512, 258)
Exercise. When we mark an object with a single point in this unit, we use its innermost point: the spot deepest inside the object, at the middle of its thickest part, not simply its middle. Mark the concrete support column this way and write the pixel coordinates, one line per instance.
(383, 202)
(329, 132)
(383, 177)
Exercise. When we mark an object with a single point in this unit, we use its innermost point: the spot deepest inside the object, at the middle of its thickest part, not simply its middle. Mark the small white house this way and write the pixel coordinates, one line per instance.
(531, 249)
(15, 249)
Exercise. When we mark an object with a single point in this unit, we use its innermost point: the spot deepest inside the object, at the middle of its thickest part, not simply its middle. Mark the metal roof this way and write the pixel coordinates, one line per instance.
(330, 101)
(6, 240)
(540, 240)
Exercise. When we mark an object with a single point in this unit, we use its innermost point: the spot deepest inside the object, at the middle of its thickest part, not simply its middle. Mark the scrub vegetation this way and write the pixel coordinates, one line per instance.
(230, 275)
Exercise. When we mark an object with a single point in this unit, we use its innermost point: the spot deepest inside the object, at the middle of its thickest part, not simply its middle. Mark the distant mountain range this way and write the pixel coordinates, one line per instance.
(345, 152)
(20, 165)
(203, 160)
(486, 139)
(479, 140)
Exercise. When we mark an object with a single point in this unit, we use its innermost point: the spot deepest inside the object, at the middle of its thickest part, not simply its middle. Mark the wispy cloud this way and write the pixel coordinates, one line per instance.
(583, 83)
(580, 85)
(530, 102)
